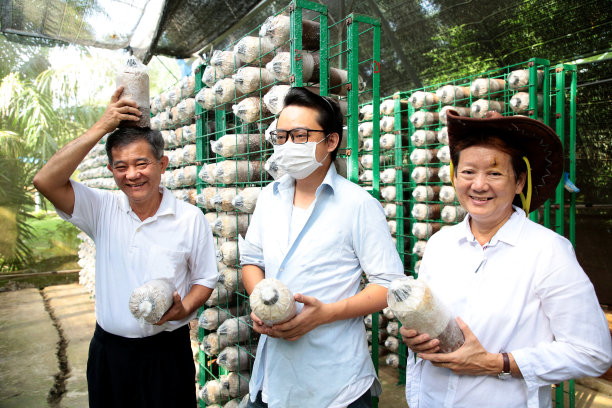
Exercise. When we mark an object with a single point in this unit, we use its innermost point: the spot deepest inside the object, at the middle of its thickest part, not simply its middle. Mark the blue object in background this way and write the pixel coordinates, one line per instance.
(184, 67)
(569, 186)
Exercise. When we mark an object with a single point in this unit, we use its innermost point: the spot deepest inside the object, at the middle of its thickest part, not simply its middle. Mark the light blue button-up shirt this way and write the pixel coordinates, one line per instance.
(345, 234)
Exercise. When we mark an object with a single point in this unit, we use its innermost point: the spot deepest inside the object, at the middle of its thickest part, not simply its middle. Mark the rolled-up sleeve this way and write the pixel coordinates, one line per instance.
(250, 247)
(582, 345)
(373, 245)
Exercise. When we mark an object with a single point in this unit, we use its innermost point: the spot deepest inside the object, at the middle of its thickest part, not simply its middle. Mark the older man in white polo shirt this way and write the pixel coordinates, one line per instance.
(141, 235)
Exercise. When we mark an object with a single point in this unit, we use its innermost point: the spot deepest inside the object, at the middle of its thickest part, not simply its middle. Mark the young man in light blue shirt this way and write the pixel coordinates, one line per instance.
(317, 233)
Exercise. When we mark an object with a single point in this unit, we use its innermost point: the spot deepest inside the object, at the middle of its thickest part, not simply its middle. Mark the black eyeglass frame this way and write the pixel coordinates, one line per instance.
(274, 135)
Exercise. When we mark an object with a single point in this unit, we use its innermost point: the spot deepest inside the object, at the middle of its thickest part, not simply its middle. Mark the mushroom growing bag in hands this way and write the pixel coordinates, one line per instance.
(149, 302)
(417, 307)
(135, 81)
(272, 301)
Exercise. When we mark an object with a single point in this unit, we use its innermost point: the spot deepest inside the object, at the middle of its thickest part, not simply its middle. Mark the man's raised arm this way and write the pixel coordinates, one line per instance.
(53, 180)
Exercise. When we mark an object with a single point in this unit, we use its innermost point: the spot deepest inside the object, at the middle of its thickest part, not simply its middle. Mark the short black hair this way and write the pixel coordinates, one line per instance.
(123, 136)
(329, 115)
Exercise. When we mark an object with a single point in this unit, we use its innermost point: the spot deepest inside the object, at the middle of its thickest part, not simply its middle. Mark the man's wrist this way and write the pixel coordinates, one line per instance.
(330, 312)
(99, 130)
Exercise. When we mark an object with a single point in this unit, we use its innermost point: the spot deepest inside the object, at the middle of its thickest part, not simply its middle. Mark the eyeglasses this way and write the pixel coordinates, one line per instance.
(298, 135)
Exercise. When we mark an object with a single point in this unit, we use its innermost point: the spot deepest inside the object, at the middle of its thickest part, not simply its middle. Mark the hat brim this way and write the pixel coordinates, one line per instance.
(538, 142)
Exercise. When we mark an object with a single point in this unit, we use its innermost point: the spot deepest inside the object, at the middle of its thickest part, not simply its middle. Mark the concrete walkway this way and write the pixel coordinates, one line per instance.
(74, 310)
(29, 342)
(28, 347)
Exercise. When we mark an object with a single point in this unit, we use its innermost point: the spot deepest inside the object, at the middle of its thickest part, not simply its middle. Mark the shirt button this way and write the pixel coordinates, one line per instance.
(281, 269)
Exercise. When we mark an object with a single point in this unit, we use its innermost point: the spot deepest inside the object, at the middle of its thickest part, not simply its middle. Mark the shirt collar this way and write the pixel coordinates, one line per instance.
(288, 182)
(167, 205)
(508, 233)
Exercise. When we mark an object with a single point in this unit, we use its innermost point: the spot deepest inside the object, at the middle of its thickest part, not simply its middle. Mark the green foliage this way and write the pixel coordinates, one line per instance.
(14, 199)
(456, 46)
(51, 242)
(38, 115)
(54, 240)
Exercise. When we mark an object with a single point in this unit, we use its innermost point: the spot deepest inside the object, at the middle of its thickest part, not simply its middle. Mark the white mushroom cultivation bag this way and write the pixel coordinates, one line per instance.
(149, 302)
(135, 81)
(416, 307)
(272, 301)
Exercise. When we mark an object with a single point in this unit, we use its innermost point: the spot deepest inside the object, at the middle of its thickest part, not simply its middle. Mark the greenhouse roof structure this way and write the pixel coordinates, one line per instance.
(423, 41)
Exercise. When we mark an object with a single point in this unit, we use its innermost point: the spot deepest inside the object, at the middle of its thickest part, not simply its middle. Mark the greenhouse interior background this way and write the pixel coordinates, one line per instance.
(58, 64)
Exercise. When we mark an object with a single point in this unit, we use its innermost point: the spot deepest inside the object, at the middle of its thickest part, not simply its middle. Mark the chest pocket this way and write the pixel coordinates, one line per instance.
(164, 263)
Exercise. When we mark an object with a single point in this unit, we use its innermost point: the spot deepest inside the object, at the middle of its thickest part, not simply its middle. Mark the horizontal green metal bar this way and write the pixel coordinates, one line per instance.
(309, 5)
(340, 53)
(366, 60)
(339, 22)
(367, 30)
(360, 18)
(540, 61)
(339, 44)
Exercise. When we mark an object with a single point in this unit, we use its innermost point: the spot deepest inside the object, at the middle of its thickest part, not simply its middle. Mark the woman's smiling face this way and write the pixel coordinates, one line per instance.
(486, 185)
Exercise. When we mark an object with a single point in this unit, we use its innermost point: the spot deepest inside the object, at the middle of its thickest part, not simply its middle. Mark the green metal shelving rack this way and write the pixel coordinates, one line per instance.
(362, 33)
(554, 112)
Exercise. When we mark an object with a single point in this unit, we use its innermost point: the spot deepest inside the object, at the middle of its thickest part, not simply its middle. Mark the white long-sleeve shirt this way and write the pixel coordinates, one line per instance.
(344, 234)
(523, 293)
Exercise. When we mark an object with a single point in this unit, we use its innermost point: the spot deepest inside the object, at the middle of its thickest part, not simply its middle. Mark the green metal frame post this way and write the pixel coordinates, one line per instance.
(560, 129)
(296, 15)
(399, 211)
(353, 23)
(534, 64)
(572, 155)
(353, 102)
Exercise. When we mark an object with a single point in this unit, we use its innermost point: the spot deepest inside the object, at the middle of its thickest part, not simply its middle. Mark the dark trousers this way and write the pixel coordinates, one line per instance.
(365, 401)
(155, 371)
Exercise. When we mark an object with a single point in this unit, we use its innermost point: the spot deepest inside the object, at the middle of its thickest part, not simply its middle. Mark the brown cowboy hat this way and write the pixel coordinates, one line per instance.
(538, 142)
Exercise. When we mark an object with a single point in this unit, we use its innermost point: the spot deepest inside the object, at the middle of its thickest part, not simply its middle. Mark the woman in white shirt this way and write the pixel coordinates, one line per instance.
(529, 313)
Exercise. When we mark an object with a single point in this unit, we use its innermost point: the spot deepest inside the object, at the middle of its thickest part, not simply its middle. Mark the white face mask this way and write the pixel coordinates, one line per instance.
(298, 160)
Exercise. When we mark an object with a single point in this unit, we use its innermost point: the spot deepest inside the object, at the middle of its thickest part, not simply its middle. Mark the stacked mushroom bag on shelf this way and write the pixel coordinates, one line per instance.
(433, 202)
(93, 172)
(176, 108)
(431, 197)
(87, 262)
(233, 166)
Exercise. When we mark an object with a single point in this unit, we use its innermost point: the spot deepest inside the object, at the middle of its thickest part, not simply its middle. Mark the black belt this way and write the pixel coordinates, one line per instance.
(165, 338)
